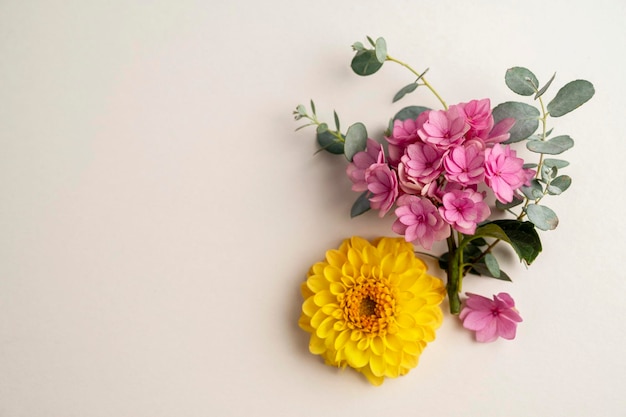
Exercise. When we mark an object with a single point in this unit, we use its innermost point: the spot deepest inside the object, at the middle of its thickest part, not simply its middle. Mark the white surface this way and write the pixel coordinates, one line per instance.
(159, 212)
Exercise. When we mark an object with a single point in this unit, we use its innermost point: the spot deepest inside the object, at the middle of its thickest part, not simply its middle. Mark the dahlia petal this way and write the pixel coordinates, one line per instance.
(392, 342)
(377, 345)
(308, 307)
(393, 360)
(405, 320)
(377, 365)
(324, 297)
(325, 327)
(342, 339)
(316, 345)
(373, 379)
(335, 258)
(317, 283)
(356, 358)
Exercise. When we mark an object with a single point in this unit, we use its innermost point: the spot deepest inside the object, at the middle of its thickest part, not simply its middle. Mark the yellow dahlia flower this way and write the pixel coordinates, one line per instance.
(371, 306)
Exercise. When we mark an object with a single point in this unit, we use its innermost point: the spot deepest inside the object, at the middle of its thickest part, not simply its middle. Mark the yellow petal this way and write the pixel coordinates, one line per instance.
(308, 307)
(342, 339)
(317, 283)
(324, 297)
(316, 345)
(356, 358)
(335, 258)
(377, 345)
(373, 379)
(377, 364)
(325, 328)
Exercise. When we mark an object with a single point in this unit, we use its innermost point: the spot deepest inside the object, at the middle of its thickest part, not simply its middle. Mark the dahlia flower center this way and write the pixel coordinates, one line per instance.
(368, 306)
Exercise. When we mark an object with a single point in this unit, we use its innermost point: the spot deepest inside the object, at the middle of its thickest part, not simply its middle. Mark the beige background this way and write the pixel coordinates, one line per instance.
(158, 212)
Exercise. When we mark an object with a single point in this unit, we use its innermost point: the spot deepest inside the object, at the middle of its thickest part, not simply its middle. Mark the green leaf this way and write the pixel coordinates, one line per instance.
(358, 46)
(330, 143)
(404, 91)
(356, 140)
(526, 116)
(361, 205)
(322, 127)
(521, 81)
(548, 173)
(381, 50)
(505, 206)
(312, 107)
(492, 265)
(570, 97)
(554, 146)
(410, 112)
(371, 41)
(558, 163)
(301, 110)
(522, 237)
(533, 191)
(480, 268)
(559, 184)
(336, 121)
(365, 63)
(542, 217)
(545, 87)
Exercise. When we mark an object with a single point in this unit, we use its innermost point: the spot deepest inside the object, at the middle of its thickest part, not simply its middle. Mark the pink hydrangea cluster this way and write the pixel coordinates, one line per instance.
(433, 169)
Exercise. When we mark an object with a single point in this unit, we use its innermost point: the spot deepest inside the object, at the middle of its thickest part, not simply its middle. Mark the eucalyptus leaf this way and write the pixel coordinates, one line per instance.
(356, 140)
(358, 46)
(559, 163)
(312, 107)
(548, 173)
(409, 88)
(570, 97)
(545, 87)
(381, 50)
(322, 127)
(361, 205)
(337, 126)
(554, 146)
(559, 184)
(542, 217)
(526, 119)
(365, 63)
(330, 143)
(480, 268)
(521, 81)
(533, 191)
(410, 112)
(492, 265)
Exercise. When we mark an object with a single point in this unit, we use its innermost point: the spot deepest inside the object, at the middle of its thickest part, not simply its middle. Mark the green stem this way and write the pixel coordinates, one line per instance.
(417, 74)
(453, 286)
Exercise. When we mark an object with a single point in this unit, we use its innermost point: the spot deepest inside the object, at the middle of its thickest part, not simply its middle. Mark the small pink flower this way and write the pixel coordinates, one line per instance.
(478, 116)
(422, 162)
(360, 163)
(490, 319)
(500, 131)
(464, 209)
(465, 164)
(504, 172)
(382, 182)
(444, 128)
(404, 133)
(419, 221)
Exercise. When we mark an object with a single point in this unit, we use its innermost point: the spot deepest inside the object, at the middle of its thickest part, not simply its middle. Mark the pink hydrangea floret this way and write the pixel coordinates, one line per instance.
(490, 319)
(504, 172)
(465, 164)
(444, 128)
(464, 209)
(361, 161)
(422, 162)
(419, 221)
(382, 183)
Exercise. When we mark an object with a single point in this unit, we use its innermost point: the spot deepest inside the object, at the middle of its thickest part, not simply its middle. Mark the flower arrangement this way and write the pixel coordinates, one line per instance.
(444, 174)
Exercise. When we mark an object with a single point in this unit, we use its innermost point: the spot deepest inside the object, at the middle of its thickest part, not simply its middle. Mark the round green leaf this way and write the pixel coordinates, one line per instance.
(533, 191)
(410, 112)
(526, 119)
(365, 63)
(330, 143)
(554, 146)
(559, 184)
(381, 50)
(570, 97)
(521, 81)
(558, 163)
(356, 140)
(492, 265)
(542, 217)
